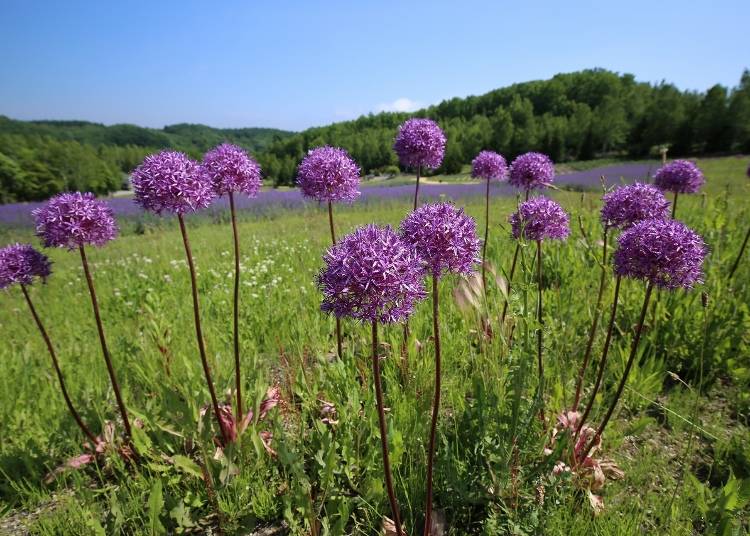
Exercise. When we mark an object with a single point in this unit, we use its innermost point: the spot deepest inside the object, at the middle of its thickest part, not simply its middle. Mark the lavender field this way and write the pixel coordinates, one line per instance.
(19, 214)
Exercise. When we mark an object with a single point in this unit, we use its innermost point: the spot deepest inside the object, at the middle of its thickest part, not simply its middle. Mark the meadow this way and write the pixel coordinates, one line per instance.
(680, 434)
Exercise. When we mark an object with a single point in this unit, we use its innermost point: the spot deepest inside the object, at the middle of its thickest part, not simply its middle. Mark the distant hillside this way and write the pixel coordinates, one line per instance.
(186, 137)
(41, 158)
(573, 116)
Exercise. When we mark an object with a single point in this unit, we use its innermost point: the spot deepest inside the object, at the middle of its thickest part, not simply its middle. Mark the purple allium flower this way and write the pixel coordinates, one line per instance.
(420, 142)
(664, 252)
(489, 165)
(328, 174)
(74, 219)
(532, 170)
(371, 275)
(173, 182)
(680, 176)
(21, 263)
(231, 169)
(629, 204)
(540, 218)
(444, 237)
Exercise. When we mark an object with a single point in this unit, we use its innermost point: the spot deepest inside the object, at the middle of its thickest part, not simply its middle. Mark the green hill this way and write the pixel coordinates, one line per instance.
(41, 158)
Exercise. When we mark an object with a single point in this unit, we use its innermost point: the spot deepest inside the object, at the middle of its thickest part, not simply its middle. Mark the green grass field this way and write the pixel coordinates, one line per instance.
(682, 445)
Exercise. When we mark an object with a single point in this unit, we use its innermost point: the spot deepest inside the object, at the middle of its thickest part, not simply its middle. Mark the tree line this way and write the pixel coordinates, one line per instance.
(41, 158)
(573, 116)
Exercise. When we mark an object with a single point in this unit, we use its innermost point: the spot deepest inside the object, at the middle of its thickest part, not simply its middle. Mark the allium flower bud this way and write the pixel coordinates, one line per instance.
(629, 204)
(444, 237)
(170, 181)
(231, 169)
(532, 170)
(371, 275)
(21, 263)
(538, 219)
(74, 219)
(663, 252)
(680, 176)
(420, 142)
(328, 174)
(489, 165)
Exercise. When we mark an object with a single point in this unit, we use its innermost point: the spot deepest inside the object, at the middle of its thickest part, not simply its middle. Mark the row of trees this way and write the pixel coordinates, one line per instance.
(574, 116)
(41, 158)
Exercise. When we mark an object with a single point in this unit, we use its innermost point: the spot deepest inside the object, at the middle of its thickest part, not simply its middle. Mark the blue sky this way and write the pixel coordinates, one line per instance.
(292, 65)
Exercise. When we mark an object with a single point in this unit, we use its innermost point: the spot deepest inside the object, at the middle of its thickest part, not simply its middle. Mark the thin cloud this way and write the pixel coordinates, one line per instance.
(402, 104)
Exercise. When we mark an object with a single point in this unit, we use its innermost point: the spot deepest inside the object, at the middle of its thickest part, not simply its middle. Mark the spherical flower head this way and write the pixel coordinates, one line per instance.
(680, 176)
(329, 174)
(630, 204)
(371, 275)
(170, 181)
(444, 237)
(74, 219)
(532, 170)
(21, 263)
(420, 143)
(489, 165)
(231, 169)
(540, 218)
(663, 252)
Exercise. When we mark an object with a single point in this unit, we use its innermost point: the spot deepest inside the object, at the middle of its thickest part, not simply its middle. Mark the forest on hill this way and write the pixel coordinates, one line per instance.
(41, 158)
(573, 116)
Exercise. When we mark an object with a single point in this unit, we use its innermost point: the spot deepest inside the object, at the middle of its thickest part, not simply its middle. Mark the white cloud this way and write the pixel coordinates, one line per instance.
(401, 104)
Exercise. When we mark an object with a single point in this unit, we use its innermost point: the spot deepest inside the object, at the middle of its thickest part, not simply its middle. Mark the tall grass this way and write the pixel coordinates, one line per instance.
(490, 474)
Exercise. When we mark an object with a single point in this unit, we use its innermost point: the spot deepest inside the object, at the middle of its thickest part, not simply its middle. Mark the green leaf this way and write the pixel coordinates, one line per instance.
(185, 464)
(155, 506)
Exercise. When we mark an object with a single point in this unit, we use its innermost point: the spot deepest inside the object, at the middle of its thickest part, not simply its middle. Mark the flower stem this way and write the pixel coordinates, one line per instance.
(739, 255)
(510, 276)
(103, 341)
(602, 360)
(674, 205)
(594, 325)
(198, 329)
(435, 404)
(416, 190)
(236, 318)
(486, 235)
(624, 379)
(333, 241)
(383, 430)
(510, 280)
(52, 354)
(539, 329)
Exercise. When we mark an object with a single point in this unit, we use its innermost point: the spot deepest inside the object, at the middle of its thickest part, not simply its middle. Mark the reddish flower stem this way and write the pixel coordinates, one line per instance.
(486, 236)
(435, 404)
(739, 255)
(103, 341)
(383, 429)
(55, 363)
(624, 379)
(602, 360)
(339, 351)
(594, 325)
(540, 329)
(236, 316)
(199, 330)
